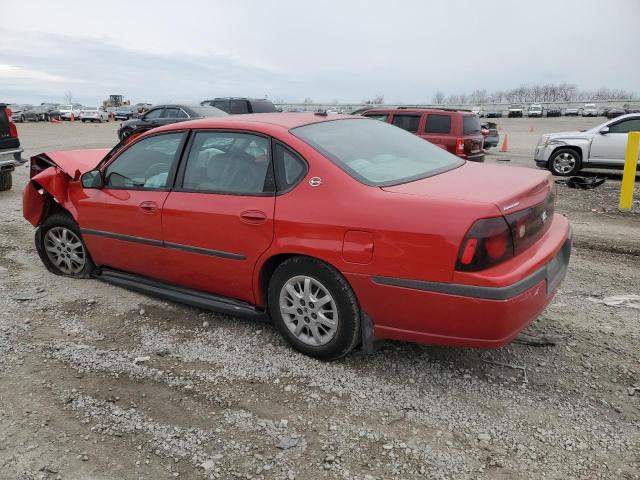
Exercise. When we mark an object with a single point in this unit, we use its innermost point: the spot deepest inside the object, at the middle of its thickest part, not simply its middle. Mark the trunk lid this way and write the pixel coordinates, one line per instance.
(510, 189)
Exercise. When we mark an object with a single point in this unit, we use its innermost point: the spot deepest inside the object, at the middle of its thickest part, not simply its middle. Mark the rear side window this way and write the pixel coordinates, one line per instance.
(378, 116)
(175, 113)
(470, 125)
(290, 168)
(229, 162)
(222, 105)
(407, 122)
(239, 106)
(262, 106)
(438, 124)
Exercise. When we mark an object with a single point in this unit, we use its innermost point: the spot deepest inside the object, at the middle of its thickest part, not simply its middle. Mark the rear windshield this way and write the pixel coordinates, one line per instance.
(90, 108)
(208, 111)
(470, 125)
(376, 153)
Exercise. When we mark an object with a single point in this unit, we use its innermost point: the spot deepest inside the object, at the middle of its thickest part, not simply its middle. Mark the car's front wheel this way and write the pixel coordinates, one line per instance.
(565, 162)
(61, 249)
(314, 308)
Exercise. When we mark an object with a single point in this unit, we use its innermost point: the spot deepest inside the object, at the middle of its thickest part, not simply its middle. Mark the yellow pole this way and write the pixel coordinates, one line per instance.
(629, 174)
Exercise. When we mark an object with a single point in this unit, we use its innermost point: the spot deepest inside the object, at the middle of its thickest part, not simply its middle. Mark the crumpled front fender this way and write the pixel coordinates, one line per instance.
(52, 181)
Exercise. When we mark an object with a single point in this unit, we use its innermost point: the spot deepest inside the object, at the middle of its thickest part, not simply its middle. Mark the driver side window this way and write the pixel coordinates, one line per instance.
(626, 126)
(146, 164)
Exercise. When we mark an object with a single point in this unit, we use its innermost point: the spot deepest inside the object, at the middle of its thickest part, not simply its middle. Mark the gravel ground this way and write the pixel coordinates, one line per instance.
(97, 382)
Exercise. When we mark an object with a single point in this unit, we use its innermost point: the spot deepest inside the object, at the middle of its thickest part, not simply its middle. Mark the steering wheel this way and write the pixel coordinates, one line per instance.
(155, 169)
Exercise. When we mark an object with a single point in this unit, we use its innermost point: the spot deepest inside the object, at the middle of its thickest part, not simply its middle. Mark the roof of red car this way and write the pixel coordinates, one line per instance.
(285, 120)
(418, 110)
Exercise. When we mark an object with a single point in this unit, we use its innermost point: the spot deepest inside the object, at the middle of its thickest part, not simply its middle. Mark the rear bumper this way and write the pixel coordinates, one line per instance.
(476, 157)
(462, 315)
(11, 158)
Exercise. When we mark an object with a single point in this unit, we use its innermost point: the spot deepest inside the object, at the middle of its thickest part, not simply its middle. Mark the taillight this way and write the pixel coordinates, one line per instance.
(459, 146)
(13, 131)
(8, 112)
(493, 240)
(487, 243)
(529, 225)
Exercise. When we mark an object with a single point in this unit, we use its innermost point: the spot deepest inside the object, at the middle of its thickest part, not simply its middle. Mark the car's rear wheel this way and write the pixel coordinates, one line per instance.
(565, 162)
(314, 308)
(61, 249)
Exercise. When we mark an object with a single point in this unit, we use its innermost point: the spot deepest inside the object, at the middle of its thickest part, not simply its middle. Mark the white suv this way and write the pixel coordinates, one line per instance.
(67, 110)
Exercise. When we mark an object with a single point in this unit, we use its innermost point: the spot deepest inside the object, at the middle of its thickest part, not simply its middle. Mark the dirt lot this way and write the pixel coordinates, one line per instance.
(220, 397)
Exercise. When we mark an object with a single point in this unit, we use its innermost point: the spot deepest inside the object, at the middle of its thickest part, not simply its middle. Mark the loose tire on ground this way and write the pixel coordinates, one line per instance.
(6, 181)
(341, 306)
(62, 258)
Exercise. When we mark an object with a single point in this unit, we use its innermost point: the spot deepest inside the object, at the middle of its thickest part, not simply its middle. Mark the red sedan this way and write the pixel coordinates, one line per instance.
(340, 229)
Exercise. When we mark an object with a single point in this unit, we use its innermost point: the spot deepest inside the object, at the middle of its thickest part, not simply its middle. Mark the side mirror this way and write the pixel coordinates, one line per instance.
(92, 179)
(604, 130)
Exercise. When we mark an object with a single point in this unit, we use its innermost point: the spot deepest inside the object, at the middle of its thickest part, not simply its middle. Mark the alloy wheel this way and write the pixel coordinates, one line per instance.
(308, 310)
(65, 250)
(564, 162)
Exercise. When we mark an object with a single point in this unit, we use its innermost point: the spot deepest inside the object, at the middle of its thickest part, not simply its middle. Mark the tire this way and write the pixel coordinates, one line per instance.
(62, 226)
(21, 118)
(6, 181)
(565, 162)
(312, 280)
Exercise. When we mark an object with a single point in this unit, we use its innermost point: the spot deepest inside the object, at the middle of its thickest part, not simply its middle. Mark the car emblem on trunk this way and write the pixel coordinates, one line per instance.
(315, 181)
(543, 217)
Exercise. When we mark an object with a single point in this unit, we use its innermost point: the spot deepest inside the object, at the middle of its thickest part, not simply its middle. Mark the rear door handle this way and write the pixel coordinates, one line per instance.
(148, 207)
(253, 217)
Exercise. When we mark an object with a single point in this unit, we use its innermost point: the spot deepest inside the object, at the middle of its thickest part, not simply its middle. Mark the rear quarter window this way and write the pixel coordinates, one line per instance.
(470, 125)
(409, 123)
(438, 124)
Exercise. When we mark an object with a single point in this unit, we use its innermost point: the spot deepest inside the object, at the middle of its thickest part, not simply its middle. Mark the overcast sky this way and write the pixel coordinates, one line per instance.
(155, 51)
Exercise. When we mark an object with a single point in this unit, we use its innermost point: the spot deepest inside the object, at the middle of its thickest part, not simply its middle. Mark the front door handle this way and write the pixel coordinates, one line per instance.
(253, 217)
(148, 207)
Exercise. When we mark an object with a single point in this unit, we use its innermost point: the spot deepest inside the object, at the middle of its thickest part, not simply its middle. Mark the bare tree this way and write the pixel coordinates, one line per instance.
(68, 97)
(307, 100)
(438, 98)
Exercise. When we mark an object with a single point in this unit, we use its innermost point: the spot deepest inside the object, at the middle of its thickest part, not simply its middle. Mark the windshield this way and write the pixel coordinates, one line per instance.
(65, 107)
(376, 153)
(90, 108)
(516, 106)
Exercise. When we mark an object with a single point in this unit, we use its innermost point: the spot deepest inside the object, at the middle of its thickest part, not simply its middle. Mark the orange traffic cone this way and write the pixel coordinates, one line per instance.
(505, 144)
(71, 118)
(54, 120)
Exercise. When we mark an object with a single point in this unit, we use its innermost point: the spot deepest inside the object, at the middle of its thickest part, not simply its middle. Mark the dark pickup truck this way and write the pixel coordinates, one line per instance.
(10, 150)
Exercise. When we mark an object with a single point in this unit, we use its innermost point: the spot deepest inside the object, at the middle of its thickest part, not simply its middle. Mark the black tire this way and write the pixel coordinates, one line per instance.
(6, 181)
(567, 156)
(21, 118)
(64, 221)
(347, 333)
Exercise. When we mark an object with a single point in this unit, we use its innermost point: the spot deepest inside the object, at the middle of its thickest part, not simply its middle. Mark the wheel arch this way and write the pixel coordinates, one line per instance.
(264, 271)
(576, 148)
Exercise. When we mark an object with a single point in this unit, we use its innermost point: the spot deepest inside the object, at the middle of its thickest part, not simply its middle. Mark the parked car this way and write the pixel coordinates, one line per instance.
(589, 110)
(160, 115)
(29, 113)
(493, 113)
(478, 111)
(18, 112)
(222, 221)
(67, 110)
(49, 111)
(124, 112)
(604, 146)
(10, 149)
(94, 114)
(554, 111)
(491, 135)
(614, 112)
(535, 110)
(632, 109)
(457, 131)
(516, 110)
(571, 111)
(235, 106)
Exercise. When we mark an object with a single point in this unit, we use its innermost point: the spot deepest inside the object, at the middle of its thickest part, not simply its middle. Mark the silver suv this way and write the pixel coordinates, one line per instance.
(603, 146)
